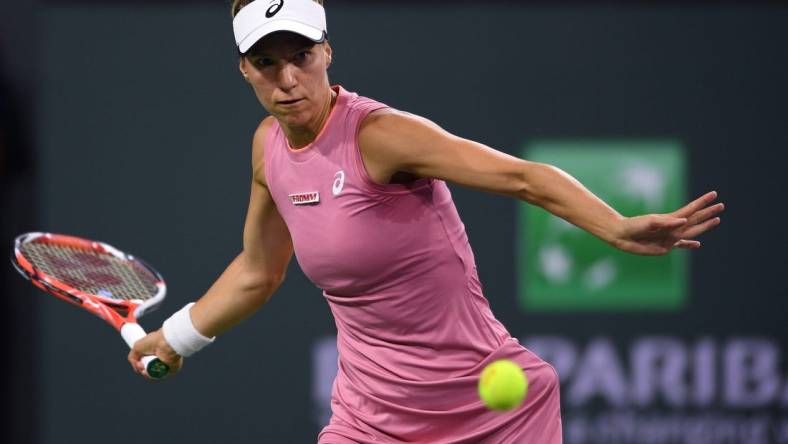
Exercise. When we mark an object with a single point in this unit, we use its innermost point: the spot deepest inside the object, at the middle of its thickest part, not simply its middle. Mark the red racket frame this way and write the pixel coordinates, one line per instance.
(116, 313)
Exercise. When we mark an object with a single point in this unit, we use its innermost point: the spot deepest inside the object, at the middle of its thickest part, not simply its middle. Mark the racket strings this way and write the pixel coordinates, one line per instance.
(91, 271)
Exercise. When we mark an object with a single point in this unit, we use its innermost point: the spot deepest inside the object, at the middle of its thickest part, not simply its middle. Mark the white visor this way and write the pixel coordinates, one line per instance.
(262, 17)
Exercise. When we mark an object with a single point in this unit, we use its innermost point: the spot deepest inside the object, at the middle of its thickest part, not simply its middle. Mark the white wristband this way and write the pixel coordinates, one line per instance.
(180, 333)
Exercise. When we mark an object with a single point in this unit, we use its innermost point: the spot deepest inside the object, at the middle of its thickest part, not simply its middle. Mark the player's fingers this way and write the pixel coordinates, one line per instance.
(174, 367)
(689, 244)
(169, 357)
(133, 355)
(696, 205)
(672, 222)
(134, 359)
(706, 213)
(697, 230)
(660, 222)
(146, 344)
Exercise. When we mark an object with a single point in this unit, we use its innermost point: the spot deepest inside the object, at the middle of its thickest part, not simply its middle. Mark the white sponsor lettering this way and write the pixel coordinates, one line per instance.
(658, 368)
(752, 378)
(651, 390)
(602, 375)
(737, 373)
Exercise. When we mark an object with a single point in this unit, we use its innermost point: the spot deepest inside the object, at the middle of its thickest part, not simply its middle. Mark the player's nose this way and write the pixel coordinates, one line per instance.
(287, 78)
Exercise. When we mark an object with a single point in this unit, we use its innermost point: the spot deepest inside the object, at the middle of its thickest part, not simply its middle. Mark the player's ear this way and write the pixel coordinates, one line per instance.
(329, 52)
(243, 66)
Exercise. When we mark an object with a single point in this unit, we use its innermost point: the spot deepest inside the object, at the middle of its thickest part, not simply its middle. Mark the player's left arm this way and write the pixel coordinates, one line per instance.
(393, 141)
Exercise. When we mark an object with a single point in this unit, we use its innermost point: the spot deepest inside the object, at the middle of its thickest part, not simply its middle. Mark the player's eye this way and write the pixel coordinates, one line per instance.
(301, 56)
(263, 62)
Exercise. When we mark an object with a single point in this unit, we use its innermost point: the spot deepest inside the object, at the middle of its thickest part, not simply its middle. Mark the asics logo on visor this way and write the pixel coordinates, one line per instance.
(274, 8)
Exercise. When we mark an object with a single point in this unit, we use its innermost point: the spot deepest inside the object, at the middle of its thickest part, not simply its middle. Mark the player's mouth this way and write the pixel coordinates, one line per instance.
(289, 102)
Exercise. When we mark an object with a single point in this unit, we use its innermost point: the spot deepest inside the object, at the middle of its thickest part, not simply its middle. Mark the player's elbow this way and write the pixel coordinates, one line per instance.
(260, 282)
(533, 182)
(519, 182)
(272, 282)
(261, 276)
(265, 283)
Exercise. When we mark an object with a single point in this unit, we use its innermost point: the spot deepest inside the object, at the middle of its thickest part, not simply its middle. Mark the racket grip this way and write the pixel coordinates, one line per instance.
(131, 333)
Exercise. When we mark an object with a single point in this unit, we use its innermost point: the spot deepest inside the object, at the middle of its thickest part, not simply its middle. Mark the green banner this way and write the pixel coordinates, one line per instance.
(563, 268)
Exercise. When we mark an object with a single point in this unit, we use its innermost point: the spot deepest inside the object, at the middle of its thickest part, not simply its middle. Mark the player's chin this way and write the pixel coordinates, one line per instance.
(293, 118)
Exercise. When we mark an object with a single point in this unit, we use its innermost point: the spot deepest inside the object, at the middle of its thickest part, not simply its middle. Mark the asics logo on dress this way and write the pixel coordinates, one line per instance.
(339, 182)
(274, 8)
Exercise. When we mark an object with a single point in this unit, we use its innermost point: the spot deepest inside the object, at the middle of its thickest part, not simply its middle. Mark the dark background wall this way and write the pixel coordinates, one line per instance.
(142, 133)
(17, 190)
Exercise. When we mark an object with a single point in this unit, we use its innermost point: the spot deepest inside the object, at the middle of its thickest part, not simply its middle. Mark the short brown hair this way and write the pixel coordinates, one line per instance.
(238, 4)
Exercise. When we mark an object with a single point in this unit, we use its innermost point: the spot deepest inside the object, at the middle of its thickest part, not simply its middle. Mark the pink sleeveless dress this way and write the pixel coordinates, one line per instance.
(413, 328)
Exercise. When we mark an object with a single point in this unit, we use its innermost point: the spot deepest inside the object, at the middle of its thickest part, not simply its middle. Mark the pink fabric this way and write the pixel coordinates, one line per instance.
(414, 329)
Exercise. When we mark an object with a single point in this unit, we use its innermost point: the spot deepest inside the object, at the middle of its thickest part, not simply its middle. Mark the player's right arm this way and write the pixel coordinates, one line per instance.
(251, 278)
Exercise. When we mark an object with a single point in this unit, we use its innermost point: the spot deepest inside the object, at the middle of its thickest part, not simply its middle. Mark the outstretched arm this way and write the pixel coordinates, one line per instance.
(247, 283)
(393, 141)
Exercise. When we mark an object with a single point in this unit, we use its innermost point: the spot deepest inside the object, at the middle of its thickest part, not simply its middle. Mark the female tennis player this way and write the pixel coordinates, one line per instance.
(358, 191)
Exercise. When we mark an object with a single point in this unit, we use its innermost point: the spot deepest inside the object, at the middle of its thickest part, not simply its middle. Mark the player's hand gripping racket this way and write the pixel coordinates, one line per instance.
(113, 285)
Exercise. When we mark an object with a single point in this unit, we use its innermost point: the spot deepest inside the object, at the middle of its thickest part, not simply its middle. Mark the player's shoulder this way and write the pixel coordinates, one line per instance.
(389, 124)
(258, 148)
(385, 120)
(381, 114)
(261, 132)
(260, 137)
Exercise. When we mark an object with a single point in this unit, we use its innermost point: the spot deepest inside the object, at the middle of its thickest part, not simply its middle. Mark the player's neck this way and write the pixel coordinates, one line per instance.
(299, 137)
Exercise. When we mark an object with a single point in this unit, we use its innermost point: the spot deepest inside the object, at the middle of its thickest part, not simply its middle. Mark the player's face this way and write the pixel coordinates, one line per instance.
(288, 74)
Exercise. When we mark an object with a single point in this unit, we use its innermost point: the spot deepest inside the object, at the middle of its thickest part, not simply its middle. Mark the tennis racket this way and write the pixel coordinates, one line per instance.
(107, 282)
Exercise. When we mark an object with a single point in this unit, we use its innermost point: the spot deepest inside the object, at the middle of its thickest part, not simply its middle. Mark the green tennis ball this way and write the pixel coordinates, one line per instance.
(502, 385)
